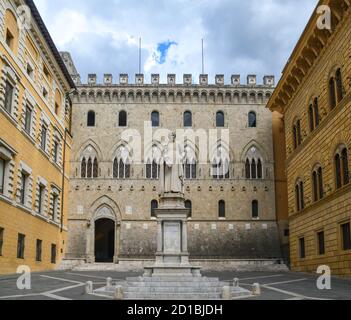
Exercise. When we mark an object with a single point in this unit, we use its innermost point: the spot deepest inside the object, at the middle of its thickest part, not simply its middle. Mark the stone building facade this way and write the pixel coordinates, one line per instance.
(35, 142)
(314, 100)
(112, 196)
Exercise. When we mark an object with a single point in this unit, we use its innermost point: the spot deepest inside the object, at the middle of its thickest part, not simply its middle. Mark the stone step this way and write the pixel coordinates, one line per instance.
(151, 290)
(176, 284)
(172, 296)
(171, 279)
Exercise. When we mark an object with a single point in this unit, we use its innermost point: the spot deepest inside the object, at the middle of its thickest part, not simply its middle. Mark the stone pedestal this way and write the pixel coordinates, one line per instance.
(172, 256)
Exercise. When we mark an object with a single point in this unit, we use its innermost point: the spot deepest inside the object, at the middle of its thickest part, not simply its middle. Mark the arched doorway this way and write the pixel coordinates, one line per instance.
(104, 240)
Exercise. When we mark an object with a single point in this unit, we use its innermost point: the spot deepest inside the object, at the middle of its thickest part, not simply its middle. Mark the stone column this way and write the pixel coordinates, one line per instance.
(90, 243)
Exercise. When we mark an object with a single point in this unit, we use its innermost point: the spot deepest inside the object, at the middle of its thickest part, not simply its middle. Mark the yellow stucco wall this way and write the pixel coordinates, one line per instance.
(318, 146)
(14, 218)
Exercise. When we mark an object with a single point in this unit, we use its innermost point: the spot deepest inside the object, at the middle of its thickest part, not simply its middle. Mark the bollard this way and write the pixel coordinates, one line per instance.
(236, 282)
(108, 283)
(226, 293)
(89, 287)
(119, 293)
(256, 290)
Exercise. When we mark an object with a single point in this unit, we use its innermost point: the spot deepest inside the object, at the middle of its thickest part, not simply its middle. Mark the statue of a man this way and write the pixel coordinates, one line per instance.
(172, 173)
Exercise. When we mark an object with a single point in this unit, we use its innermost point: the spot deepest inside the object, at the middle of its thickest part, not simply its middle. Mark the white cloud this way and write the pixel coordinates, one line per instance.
(240, 37)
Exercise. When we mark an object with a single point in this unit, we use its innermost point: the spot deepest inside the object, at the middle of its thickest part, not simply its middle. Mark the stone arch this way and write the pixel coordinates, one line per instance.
(179, 96)
(254, 143)
(118, 145)
(10, 21)
(226, 147)
(107, 96)
(123, 96)
(105, 202)
(171, 96)
(252, 97)
(103, 208)
(163, 96)
(342, 138)
(91, 96)
(244, 97)
(196, 96)
(94, 145)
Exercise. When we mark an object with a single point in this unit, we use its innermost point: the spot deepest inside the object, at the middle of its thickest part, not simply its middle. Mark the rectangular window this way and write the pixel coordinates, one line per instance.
(38, 250)
(23, 188)
(8, 96)
(28, 120)
(45, 93)
(46, 72)
(43, 137)
(20, 246)
(30, 71)
(53, 253)
(54, 207)
(41, 199)
(321, 243)
(9, 39)
(302, 248)
(2, 175)
(346, 236)
(56, 145)
(1, 239)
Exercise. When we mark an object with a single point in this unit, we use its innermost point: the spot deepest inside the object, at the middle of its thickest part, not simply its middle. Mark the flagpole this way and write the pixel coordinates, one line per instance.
(203, 63)
(139, 55)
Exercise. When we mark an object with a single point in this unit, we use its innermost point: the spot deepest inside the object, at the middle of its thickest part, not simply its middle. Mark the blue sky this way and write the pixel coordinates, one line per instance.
(241, 37)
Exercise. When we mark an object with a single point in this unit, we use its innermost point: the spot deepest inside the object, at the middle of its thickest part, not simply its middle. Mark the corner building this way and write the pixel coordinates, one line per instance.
(314, 99)
(35, 143)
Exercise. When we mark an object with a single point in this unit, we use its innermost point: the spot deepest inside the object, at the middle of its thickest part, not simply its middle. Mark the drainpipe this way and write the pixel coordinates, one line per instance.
(64, 165)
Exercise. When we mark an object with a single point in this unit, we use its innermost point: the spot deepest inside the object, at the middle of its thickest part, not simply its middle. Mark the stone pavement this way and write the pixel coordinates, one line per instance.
(274, 285)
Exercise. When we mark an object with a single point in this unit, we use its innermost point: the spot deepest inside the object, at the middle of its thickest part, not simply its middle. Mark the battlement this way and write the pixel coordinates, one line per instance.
(139, 80)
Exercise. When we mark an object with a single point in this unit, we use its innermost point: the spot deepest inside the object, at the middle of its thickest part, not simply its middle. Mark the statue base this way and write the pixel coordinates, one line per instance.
(172, 201)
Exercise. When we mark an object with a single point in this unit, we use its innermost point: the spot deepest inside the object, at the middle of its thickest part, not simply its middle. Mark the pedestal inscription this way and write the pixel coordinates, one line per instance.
(172, 237)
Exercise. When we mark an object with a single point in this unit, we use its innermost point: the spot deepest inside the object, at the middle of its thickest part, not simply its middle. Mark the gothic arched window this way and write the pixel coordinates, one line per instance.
(83, 168)
(342, 172)
(190, 165)
(121, 164)
(152, 167)
(253, 164)
(299, 195)
(91, 119)
(221, 163)
(95, 168)
(317, 183)
(297, 136)
(338, 81)
(89, 167)
(332, 96)
(316, 112)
